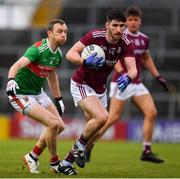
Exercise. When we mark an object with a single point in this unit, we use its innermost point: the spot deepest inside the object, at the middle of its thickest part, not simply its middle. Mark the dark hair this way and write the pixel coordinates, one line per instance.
(54, 21)
(133, 11)
(117, 14)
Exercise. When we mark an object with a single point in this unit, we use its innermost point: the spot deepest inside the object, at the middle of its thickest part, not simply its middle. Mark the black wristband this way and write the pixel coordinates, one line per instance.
(84, 63)
(157, 77)
(130, 79)
(59, 98)
(11, 79)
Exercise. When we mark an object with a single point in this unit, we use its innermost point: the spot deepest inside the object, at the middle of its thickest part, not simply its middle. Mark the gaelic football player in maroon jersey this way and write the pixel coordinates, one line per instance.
(88, 83)
(136, 90)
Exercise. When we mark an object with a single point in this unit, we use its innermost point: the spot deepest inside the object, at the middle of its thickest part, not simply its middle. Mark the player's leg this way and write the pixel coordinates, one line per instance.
(116, 106)
(93, 107)
(41, 143)
(85, 97)
(56, 166)
(115, 111)
(89, 145)
(28, 105)
(52, 124)
(146, 104)
(98, 119)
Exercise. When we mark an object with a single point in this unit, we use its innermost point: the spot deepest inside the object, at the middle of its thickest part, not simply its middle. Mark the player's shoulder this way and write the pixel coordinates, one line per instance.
(139, 34)
(143, 35)
(41, 45)
(125, 39)
(98, 33)
(38, 43)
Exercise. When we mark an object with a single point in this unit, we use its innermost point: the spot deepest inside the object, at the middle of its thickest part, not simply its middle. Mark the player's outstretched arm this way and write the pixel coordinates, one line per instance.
(149, 64)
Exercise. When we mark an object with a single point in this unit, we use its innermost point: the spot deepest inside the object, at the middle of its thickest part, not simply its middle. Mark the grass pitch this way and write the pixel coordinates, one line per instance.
(109, 160)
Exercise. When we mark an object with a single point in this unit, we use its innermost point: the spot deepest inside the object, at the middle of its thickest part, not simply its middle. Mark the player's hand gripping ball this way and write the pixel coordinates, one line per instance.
(94, 56)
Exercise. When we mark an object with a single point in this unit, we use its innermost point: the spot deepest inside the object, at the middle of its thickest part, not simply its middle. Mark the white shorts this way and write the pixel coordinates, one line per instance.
(23, 103)
(131, 90)
(82, 91)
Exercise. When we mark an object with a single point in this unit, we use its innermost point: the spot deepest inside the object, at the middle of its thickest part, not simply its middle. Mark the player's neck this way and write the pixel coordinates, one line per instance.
(133, 32)
(53, 46)
(110, 39)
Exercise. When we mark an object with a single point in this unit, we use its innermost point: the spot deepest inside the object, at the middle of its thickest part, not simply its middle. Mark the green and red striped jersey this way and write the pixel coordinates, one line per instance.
(43, 60)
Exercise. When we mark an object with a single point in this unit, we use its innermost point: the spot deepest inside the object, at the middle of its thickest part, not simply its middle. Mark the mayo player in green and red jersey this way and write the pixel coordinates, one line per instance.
(25, 93)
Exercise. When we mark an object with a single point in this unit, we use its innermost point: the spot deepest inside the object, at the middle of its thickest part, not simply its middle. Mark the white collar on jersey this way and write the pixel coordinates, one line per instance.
(130, 33)
(50, 47)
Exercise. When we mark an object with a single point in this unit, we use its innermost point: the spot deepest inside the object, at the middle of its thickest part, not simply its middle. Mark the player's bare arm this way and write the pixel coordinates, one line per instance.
(149, 64)
(131, 67)
(73, 54)
(53, 83)
(22, 62)
(118, 67)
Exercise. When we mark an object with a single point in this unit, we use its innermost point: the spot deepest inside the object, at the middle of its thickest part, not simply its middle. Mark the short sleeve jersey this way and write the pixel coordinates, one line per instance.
(96, 78)
(42, 61)
(141, 43)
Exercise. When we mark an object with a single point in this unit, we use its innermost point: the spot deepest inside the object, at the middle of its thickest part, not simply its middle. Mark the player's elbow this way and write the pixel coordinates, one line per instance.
(68, 55)
(134, 73)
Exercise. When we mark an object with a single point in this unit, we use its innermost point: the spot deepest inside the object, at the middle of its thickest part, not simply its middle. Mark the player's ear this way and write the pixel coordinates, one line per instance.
(106, 25)
(49, 33)
(125, 24)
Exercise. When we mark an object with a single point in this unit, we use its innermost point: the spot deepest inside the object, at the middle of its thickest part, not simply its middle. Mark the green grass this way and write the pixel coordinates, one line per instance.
(109, 160)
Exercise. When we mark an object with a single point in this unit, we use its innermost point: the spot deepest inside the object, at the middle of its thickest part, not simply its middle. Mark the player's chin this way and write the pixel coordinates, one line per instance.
(62, 42)
(134, 29)
(117, 37)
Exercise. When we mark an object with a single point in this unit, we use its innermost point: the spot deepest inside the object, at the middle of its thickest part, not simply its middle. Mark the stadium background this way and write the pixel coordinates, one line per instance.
(23, 22)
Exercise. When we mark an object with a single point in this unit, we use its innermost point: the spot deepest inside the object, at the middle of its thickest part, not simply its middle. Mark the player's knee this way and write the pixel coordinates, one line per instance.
(54, 124)
(152, 114)
(102, 118)
(113, 119)
(61, 127)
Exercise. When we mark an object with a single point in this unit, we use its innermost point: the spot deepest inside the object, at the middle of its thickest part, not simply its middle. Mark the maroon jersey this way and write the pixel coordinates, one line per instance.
(96, 78)
(141, 43)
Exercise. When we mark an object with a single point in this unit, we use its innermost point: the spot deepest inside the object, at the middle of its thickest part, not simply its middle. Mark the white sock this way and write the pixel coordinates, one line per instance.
(66, 163)
(81, 146)
(34, 155)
